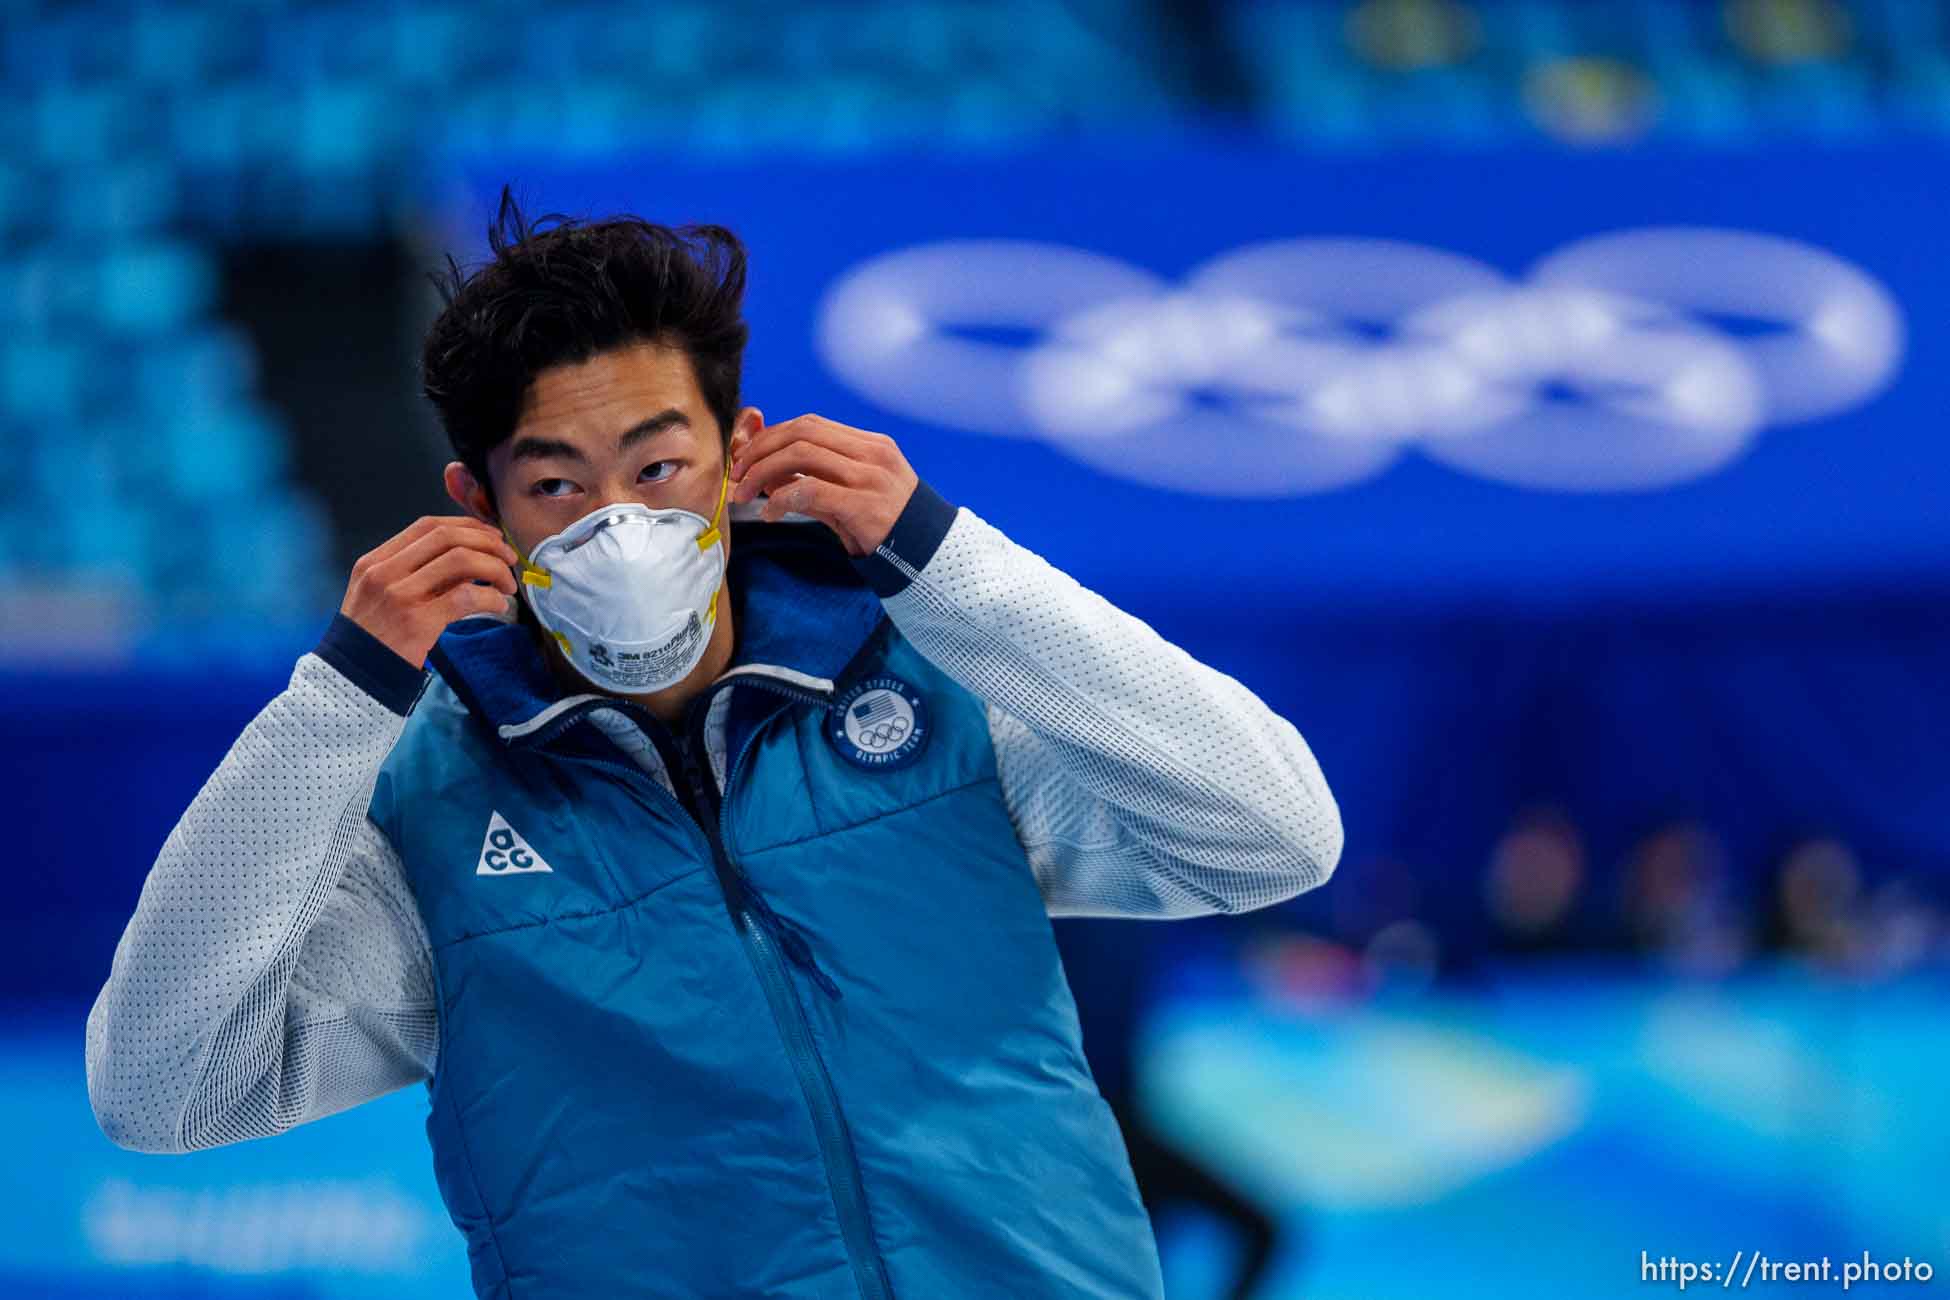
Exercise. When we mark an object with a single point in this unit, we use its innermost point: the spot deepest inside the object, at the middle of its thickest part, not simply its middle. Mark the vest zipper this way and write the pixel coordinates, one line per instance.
(789, 1016)
(745, 904)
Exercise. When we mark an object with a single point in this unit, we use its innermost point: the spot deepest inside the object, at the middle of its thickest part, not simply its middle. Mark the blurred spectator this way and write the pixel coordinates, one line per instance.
(1536, 878)
(1585, 100)
(1677, 901)
(1789, 31)
(1403, 957)
(1299, 973)
(1814, 903)
(1406, 34)
(1902, 928)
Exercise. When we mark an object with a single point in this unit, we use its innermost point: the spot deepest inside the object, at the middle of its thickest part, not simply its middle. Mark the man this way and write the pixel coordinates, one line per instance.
(709, 892)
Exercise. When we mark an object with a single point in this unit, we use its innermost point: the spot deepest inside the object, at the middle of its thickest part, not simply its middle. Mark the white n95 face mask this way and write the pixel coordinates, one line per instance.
(630, 593)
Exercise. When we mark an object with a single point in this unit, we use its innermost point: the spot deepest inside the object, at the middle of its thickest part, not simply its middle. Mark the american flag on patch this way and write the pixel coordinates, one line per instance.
(873, 708)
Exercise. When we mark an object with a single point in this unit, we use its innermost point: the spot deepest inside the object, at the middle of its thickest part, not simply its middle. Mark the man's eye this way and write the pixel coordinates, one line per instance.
(654, 477)
(552, 487)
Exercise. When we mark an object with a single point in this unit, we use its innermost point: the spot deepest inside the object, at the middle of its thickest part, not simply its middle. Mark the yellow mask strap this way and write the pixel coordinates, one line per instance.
(709, 537)
(529, 573)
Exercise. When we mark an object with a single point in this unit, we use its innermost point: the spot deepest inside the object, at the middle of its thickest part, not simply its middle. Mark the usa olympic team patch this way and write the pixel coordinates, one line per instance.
(878, 724)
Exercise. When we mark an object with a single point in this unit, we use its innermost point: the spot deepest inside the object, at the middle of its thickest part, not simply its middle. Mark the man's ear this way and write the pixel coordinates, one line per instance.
(468, 494)
(750, 420)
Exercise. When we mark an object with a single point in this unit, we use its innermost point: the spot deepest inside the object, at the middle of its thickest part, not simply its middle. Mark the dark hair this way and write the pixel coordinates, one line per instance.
(559, 291)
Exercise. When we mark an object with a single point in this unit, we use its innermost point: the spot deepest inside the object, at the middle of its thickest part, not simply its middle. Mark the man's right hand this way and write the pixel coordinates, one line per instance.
(409, 588)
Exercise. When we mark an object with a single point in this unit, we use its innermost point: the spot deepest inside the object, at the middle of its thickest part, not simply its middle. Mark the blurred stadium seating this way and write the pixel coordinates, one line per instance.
(142, 136)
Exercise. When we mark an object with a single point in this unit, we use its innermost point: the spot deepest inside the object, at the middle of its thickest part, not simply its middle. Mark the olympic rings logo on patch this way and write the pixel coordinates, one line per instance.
(878, 723)
(1628, 361)
(884, 736)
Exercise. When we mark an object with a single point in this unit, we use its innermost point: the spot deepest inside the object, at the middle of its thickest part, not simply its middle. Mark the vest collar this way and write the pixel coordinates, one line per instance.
(804, 617)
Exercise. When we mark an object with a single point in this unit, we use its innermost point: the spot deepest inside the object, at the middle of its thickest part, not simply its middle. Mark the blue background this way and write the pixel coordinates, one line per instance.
(209, 217)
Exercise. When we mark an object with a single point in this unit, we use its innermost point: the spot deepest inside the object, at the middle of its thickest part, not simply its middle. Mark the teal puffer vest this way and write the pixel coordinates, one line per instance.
(808, 1040)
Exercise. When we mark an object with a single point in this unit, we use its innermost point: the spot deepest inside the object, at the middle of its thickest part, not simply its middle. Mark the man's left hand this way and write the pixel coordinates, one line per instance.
(854, 482)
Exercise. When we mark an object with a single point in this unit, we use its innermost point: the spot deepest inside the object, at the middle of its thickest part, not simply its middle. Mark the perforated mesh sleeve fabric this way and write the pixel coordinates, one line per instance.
(276, 969)
(1140, 781)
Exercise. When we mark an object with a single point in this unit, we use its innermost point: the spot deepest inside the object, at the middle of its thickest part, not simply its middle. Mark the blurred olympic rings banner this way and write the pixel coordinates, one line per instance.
(1331, 358)
(1531, 378)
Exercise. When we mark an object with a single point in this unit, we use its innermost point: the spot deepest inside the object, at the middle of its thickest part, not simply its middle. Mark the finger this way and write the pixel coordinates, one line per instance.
(468, 599)
(456, 566)
(435, 525)
(816, 498)
(414, 531)
(801, 457)
(435, 542)
(413, 542)
(812, 428)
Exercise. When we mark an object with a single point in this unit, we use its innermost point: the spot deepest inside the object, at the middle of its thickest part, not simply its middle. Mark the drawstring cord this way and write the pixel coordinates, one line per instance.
(800, 951)
(789, 935)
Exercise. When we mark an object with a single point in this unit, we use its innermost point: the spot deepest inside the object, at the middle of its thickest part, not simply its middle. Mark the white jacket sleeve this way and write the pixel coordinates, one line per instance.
(1140, 781)
(276, 969)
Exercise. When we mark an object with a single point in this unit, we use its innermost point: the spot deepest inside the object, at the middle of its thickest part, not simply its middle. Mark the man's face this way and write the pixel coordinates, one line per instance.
(629, 425)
